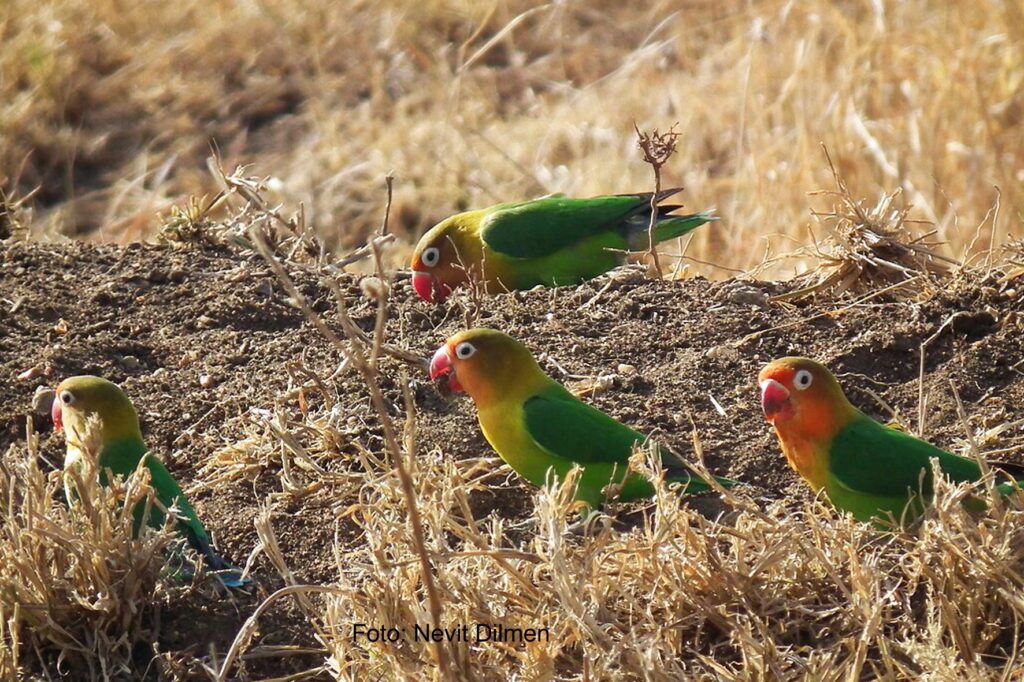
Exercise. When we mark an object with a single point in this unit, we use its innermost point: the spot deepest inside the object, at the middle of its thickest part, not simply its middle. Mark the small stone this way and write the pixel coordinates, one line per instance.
(625, 370)
(42, 399)
(593, 387)
(373, 288)
(746, 295)
(32, 373)
(721, 353)
(205, 322)
(130, 362)
(207, 380)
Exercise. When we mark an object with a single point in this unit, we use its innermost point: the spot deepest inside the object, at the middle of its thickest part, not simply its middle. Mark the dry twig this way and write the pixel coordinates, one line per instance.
(657, 149)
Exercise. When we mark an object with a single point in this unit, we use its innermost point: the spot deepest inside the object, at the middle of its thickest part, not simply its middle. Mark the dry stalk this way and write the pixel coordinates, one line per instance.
(657, 149)
(922, 401)
(398, 459)
(249, 627)
(364, 361)
(15, 216)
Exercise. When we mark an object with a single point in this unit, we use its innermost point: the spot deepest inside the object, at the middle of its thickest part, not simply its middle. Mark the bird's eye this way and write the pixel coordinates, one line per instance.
(802, 379)
(431, 256)
(67, 398)
(464, 350)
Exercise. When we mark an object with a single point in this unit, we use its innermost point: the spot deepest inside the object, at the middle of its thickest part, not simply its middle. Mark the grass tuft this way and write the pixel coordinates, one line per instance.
(868, 247)
(76, 588)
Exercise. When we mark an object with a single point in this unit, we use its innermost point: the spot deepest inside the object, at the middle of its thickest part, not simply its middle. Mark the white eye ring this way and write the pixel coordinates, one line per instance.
(431, 256)
(465, 350)
(802, 380)
(67, 397)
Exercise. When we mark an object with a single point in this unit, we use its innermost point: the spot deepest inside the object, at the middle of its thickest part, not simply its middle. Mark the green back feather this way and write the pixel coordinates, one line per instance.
(122, 458)
(572, 430)
(539, 228)
(869, 458)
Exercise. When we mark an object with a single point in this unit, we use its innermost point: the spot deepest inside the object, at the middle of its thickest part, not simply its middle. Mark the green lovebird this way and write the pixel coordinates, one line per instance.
(865, 468)
(77, 400)
(552, 241)
(539, 427)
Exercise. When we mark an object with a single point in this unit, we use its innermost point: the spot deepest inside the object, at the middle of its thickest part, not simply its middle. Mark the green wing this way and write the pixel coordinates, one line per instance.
(538, 228)
(574, 431)
(872, 459)
(122, 458)
(170, 495)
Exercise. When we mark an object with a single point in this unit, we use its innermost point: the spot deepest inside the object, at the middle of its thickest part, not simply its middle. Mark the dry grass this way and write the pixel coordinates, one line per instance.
(76, 588)
(766, 592)
(869, 248)
(106, 114)
(773, 594)
(108, 109)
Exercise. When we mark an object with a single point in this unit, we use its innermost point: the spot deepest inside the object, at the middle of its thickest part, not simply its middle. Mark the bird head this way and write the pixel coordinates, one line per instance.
(486, 364)
(77, 399)
(443, 258)
(801, 396)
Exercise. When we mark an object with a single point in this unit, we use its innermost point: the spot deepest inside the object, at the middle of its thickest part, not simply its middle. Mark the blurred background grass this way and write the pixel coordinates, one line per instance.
(108, 109)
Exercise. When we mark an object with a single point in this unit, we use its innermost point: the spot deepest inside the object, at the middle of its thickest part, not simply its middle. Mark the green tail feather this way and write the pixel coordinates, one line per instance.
(671, 227)
(229, 574)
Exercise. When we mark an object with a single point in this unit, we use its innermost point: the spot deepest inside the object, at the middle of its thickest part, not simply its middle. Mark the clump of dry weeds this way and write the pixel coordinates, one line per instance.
(76, 588)
(869, 247)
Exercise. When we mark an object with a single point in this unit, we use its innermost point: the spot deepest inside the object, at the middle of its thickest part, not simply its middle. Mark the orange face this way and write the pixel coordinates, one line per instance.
(801, 396)
(486, 364)
(438, 264)
(442, 365)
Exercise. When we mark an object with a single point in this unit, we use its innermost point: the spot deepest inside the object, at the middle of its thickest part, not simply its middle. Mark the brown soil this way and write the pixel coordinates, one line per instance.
(157, 320)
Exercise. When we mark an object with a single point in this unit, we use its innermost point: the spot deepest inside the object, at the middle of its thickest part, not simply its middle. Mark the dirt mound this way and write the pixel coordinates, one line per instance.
(209, 348)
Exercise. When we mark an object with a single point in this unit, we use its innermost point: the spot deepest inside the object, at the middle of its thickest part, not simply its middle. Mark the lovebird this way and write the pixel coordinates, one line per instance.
(864, 467)
(537, 426)
(80, 398)
(552, 241)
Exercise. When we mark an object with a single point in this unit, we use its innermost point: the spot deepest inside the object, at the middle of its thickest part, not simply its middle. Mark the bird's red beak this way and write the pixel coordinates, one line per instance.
(429, 288)
(55, 413)
(441, 365)
(775, 400)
